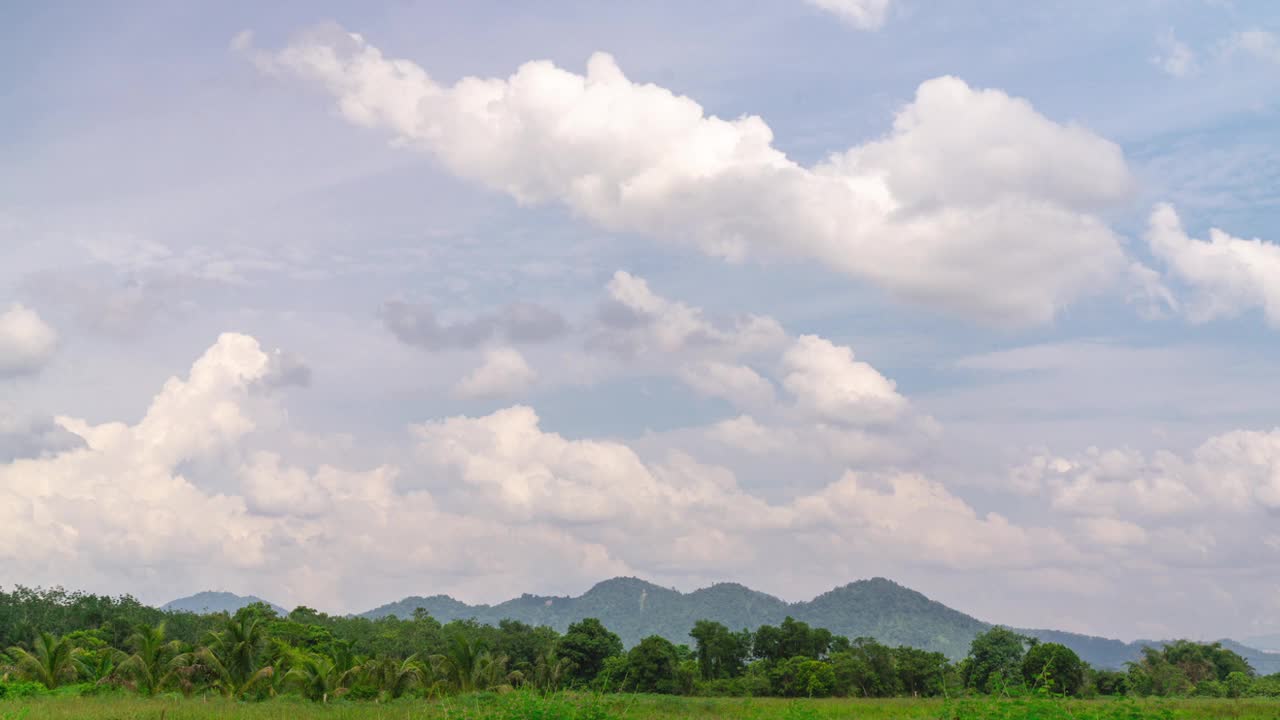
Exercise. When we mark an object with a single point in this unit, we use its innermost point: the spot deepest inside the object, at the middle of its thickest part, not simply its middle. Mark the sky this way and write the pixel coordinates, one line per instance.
(334, 303)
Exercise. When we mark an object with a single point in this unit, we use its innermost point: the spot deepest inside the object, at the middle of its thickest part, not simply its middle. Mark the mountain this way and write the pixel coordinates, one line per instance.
(213, 602)
(878, 608)
(1266, 643)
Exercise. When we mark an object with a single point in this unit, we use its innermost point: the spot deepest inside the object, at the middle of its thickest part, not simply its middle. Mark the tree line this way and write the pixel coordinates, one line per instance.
(53, 638)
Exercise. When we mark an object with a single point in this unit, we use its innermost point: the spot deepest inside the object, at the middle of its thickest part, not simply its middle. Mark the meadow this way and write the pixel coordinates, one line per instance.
(589, 706)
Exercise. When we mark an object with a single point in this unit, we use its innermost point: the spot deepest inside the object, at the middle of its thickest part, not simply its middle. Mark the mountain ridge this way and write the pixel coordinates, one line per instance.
(876, 607)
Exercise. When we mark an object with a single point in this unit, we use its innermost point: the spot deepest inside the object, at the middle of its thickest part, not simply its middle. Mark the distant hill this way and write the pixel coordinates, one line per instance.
(213, 602)
(1266, 643)
(878, 608)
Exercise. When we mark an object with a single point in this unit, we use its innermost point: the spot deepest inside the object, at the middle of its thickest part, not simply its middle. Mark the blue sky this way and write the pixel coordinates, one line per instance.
(934, 298)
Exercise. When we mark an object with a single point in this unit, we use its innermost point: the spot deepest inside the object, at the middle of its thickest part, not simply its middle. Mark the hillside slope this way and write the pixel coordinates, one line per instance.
(213, 602)
(878, 608)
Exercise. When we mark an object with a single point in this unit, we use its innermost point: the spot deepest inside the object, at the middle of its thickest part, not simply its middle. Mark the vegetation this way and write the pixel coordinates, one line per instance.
(120, 649)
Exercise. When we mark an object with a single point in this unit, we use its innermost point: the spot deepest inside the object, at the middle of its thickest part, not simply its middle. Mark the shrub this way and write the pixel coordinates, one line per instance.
(21, 689)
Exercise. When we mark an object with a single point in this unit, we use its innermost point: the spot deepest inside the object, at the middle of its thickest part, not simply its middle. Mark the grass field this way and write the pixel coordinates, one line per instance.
(527, 706)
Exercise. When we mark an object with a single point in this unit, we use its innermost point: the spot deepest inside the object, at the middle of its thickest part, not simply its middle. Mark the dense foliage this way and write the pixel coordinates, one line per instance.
(54, 639)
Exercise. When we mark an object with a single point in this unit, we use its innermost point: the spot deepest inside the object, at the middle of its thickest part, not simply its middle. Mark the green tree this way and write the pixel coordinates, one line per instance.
(236, 655)
(802, 676)
(720, 652)
(468, 666)
(651, 665)
(394, 677)
(920, 672)
(1237, 683)
(866, 669)
(791, 639)
(319, 677)
(586, 645)
(51, 661)
(1053, 666)
(150, 665)
(1110, 682)
(995, 659)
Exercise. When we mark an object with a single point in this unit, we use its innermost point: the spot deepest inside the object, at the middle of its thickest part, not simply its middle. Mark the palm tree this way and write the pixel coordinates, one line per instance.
(234, 656)
(318, 677)
(51, 661)
(549, 671)
(151, 664)
(396, 677)
(468, 668)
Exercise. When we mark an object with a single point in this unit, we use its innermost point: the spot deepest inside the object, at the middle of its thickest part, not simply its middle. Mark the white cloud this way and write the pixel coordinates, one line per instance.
(915, 517)
(827, 382)
(861, 14)
(203, 490)
(637, 321)
(738, 384)
(1175, 58)
(26, 342)
(974, 202)
(1227, 275)
(503, 373)
(121, 501)
(1112, 532)
(1235, 473)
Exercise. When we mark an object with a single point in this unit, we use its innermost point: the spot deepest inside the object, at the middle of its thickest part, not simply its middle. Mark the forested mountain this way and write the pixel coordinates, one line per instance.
(212, 602)
(635, 609)
(879, 608)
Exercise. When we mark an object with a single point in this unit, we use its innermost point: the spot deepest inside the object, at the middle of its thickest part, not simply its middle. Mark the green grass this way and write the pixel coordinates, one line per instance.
(527, 706)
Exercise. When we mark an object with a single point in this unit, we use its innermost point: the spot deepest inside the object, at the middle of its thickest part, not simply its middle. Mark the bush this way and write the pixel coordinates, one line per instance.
(21, 689)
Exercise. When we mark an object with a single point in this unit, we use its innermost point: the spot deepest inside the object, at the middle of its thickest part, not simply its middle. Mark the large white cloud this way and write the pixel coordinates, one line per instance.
(974, 202)
(1227, 275)
(27, 343)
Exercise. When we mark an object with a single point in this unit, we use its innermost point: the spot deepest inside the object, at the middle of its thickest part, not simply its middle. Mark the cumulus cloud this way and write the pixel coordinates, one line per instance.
(827, 381)
(861, 14)
(27, 343)
(503, 373)
(916, 517)
(479, 499)
(738, 384)
(1235, 473)
(120, 500)
(523, 322)
(1226, 275)
(973, 202)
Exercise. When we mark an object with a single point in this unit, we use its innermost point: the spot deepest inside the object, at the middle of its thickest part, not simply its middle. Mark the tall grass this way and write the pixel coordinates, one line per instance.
(583, 706)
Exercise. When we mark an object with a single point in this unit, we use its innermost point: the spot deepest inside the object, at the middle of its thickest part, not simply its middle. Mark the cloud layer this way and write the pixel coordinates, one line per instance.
(973, 202)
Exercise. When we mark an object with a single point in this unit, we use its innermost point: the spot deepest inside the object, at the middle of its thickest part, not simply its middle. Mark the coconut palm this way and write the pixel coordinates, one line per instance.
(235, 656)
(467, 667)
(51, 661)
(549, 671)
(151, 664)
(394, 678)
(318, 677)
